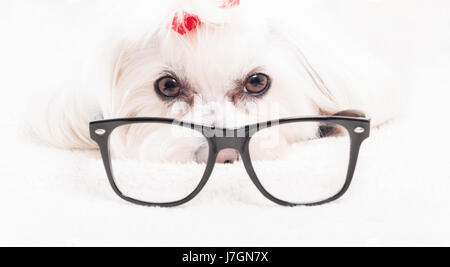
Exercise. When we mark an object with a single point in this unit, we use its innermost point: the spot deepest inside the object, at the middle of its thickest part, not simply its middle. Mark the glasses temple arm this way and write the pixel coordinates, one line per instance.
(351, 113)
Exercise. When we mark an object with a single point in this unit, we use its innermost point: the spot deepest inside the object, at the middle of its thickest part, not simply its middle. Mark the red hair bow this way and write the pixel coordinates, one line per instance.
(184, 22)
(230, 3)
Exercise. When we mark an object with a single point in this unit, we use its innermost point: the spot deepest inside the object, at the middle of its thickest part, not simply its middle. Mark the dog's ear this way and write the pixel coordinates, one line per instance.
(324, 99)
(322, 95)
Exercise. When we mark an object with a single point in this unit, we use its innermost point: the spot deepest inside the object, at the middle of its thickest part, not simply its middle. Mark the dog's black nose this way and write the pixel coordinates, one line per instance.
(227, 156)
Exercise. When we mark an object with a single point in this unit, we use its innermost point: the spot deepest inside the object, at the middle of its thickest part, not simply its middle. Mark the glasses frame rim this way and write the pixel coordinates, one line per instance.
(217, 143)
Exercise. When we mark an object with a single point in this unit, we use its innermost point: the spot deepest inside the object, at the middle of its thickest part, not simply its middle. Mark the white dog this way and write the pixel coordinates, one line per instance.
(225, 64)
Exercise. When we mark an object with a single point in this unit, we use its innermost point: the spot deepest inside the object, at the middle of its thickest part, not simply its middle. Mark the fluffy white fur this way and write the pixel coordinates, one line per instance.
(313, 73)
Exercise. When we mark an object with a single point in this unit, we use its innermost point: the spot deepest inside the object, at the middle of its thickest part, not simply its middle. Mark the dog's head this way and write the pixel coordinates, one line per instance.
(226, 67)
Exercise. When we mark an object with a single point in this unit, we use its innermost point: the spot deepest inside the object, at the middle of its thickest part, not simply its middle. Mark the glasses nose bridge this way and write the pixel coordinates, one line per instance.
(229, 139)
(236, 143)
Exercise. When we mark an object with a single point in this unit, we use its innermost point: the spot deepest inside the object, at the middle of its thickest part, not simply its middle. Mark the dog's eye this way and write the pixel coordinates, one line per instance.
(257, 84)
(168, 87)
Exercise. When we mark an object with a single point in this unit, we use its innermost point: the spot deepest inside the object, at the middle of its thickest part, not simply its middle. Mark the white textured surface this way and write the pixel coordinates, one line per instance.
(400, 194)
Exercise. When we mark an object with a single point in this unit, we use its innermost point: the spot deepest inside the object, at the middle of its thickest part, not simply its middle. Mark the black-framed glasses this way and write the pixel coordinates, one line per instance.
(302, 161)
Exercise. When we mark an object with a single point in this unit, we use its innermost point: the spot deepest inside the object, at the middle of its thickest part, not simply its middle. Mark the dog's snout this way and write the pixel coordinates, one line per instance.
(227, 156)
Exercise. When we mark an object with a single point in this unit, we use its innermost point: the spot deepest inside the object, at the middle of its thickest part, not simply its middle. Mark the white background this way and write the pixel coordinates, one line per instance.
(401, 193)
